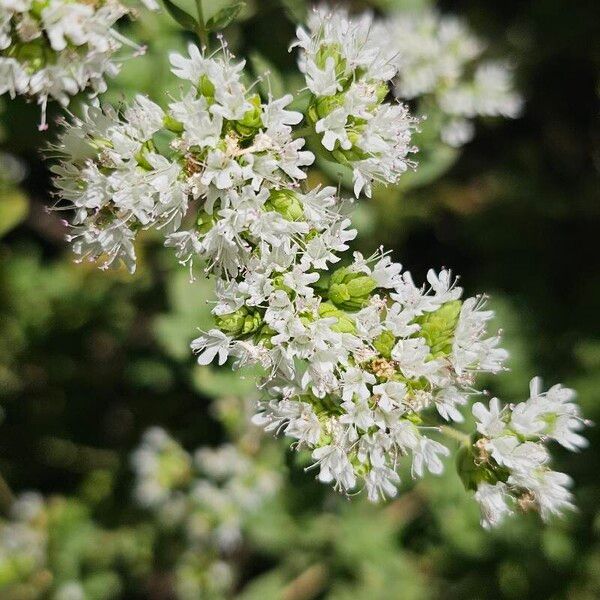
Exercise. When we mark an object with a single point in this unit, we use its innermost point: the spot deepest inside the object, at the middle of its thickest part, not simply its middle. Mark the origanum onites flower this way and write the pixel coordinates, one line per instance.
(57, 48)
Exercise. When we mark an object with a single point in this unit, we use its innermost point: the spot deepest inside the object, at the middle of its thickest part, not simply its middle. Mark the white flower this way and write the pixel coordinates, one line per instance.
(306, 428)
(489, 420)
(210, 345)
(77, 48)
(447, 402)
(426, 455)
(381, 483)
(390, 395)
(334, 467)
(411, 355)
(358, 414)
(494, 503)
(437, 59)
(64, 21)
(526, 456)
(346, 66)
(550, 490)
(354, 381)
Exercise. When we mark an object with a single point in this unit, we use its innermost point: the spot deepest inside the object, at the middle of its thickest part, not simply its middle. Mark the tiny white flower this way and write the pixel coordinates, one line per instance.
(494, 503)
(212, 344)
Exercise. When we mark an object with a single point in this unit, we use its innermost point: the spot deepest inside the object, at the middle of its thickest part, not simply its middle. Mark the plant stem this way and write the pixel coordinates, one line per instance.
(455, 434)
(202, 33)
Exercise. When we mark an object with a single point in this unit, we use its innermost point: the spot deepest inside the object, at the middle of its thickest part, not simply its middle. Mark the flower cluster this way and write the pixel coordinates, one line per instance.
(439, 60)
(210, 496)
(355, 361)
(347, 70)
(507, 463)
(57, 48)
(360, 363)
(226, 151)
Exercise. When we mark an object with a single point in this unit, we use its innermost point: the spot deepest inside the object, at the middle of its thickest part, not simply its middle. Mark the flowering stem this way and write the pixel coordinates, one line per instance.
(201, 31)
(455, 434)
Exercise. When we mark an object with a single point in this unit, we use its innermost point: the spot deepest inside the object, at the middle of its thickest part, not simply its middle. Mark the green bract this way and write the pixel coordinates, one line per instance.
(240, 322)
(438, 328)
(384, 343)
(286, 203)
(344, 323)
(350, 290)
(251, 122)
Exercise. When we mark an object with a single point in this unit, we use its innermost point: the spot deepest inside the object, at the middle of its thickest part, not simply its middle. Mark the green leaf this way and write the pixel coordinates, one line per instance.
(225, 16)
(13, 210)
(295, 9)
(183, 18)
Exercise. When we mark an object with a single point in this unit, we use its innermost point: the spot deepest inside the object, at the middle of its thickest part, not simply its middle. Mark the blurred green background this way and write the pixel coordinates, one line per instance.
(89, 359)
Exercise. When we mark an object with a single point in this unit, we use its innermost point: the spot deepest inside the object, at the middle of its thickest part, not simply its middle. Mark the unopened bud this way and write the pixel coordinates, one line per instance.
(251, 122)
(173, 124)
(350, 290)
(286, 203)
(204, 222)
(438, 328)
(344, 323)
(240, 322)
(206, 88)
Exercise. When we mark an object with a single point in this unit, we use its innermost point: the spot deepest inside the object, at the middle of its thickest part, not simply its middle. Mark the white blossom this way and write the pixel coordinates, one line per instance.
(59, 48)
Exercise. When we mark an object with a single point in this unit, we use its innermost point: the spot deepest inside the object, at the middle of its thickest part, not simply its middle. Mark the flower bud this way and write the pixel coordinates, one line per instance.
(174, 468)
(327, 104)
(344, 323)
(438, 328)
(206, 88)
(251, 122)
(384, 343)
(240, 322)
(472, 471)
(173, 124)
(204, 222)
(286, 203)
(323, 57)
(278, 284)
(32, 55)
(468, 471)
(350, 290)
(142, 161)
(37, 6)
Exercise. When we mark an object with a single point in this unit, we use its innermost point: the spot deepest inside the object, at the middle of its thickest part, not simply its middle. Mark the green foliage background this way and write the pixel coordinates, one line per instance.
(89, 360)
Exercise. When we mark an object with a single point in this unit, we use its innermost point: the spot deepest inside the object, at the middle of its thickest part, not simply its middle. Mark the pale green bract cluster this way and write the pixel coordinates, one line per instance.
(360, 363)
(57, 48)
